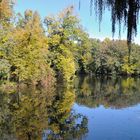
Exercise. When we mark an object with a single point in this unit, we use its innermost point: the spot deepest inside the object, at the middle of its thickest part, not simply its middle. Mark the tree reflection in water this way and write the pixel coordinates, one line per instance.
(47, 114)
(35, 114)
(26, 110)
(111, 92)
(64, 123)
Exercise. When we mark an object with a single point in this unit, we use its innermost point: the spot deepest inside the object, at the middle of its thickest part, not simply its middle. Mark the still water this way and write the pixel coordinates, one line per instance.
(90, 109)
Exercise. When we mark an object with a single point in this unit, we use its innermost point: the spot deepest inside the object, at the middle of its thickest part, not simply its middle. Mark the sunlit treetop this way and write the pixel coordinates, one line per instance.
(123, 12)
(6, 9)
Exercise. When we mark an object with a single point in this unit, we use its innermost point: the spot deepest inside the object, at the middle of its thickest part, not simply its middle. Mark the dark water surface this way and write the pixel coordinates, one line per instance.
(90, 109)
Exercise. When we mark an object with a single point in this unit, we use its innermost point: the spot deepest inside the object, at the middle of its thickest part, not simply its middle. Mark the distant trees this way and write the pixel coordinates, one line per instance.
(110, 57)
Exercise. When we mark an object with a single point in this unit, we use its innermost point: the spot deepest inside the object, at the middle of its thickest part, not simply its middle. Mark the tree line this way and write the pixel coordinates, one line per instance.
(56, 49)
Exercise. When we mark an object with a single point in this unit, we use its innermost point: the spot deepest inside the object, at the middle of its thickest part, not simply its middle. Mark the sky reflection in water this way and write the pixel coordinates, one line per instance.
(114, 114)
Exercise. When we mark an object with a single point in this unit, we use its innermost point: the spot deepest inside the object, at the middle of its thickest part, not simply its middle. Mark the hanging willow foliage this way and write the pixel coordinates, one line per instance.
(124, 12)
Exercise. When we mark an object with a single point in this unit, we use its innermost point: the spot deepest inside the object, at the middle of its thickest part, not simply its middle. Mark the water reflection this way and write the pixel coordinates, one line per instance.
(112, 107)
(63, 122)
(111, 93)
(31, 113)
(24, 113)
(34, 114)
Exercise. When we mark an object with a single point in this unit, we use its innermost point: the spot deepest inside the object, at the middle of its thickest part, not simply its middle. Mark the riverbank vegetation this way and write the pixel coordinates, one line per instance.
(41, 52)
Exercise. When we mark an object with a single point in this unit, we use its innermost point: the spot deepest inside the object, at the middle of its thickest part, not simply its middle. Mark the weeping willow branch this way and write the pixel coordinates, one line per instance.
(124, 12)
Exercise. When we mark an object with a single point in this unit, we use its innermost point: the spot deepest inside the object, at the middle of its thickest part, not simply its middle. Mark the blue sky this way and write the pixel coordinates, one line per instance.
(90, 23)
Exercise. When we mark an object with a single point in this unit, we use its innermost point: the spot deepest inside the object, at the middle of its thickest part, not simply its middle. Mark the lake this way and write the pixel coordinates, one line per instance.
(100, 108)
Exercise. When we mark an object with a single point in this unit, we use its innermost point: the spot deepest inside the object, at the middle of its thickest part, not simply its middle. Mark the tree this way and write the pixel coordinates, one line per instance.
(4, 69)
(6, 26)
(6, 9)
(82, 52)
(29, 49)
(61, 33)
